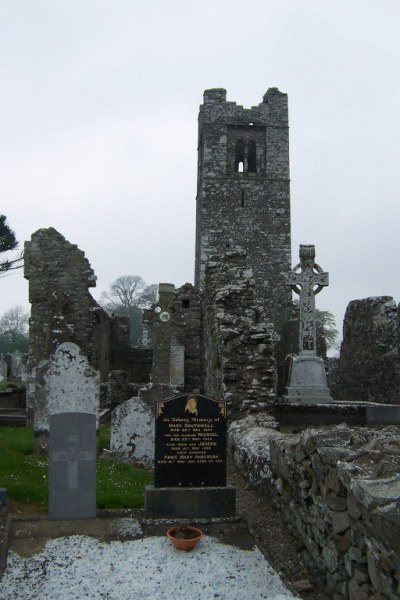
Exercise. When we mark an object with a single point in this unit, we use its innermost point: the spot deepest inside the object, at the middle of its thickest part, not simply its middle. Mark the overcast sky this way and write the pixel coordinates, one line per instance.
(98, 111)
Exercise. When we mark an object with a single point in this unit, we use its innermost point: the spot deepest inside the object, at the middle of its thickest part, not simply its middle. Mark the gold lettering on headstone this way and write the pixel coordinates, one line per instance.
(191, 441)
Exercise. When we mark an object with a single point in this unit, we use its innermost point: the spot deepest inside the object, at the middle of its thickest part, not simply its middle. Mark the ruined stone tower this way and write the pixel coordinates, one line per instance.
(243, 195)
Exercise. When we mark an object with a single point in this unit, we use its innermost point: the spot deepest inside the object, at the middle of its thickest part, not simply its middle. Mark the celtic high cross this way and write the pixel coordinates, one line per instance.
(307, 279)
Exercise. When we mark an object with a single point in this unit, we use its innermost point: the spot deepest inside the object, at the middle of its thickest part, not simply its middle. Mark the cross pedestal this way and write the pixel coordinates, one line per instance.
(307, 378)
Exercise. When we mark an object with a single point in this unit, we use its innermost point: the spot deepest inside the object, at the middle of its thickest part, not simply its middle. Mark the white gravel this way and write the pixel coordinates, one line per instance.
(79, 567)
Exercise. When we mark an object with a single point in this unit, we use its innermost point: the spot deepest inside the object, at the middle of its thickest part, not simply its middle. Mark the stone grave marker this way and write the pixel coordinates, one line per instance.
(307, 378)
(190, 445)
(132, 431)
(72, 390)
(177, 366)
(3, 369)
(71, 383)
(190, 460)
(72, 466)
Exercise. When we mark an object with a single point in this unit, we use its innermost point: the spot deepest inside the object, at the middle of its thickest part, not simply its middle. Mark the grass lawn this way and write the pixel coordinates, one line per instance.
(25, 475)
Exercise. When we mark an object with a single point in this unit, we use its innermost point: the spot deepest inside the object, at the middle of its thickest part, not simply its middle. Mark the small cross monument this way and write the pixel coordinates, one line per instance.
(307, 378)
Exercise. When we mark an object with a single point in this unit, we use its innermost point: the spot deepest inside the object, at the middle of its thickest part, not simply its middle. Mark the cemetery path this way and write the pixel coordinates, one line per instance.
(276, 542)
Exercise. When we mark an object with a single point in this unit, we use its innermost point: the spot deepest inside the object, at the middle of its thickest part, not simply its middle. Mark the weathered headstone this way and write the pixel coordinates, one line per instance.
(71, 383)
(307, 377)
(71, 388)
(72, 466)
(3, 369)
(19, 366)
(132, 431)
(190, 460)
(145, 341)
(177, 366)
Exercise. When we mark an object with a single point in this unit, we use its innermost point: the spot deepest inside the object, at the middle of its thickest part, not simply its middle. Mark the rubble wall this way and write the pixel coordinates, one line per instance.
(62, 309)
(339, 490)
(368, 368)
(239, 363)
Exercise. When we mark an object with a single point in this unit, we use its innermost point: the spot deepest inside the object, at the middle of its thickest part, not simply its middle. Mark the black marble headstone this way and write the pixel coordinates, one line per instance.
(190, 444)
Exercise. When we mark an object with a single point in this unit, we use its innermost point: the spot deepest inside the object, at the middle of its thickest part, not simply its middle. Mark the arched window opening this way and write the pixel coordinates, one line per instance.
(252, 157)
(239, 156)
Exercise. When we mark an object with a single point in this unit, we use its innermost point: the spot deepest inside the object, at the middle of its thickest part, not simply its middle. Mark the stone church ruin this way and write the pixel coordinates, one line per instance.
(312, 438)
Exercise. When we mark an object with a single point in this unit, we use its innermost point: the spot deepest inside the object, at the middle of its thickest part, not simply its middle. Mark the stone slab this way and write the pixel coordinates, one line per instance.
(190, 442)
(190, 503)
(383, 414)
(72, 466)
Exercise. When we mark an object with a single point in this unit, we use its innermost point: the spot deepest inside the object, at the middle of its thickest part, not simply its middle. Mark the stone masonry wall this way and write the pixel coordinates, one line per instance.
(339, 490)
(369, 365)
(239, 365)
(62, 308)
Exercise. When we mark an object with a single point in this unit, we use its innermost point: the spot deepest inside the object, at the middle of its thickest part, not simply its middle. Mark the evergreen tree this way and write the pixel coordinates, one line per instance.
(8, 242)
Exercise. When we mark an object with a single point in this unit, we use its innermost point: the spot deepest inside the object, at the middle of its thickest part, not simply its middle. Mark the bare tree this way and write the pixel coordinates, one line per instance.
(14, 330)
(149, 295)
(124, 294)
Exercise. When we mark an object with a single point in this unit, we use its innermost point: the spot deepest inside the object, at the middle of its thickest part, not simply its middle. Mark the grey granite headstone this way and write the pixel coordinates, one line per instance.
(72, 466)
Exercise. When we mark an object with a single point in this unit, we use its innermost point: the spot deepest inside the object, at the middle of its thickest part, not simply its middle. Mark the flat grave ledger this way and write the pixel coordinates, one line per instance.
(72, 466)
(190, 442)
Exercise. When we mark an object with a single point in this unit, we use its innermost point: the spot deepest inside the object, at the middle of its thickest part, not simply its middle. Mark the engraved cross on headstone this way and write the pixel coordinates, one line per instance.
(307, 279)
(72, 456)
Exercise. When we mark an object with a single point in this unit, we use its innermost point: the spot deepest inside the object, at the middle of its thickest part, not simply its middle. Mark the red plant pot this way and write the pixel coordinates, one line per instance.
(184, 537)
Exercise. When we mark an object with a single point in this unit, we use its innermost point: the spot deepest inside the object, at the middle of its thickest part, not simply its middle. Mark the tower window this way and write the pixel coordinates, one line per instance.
(239, 156)
(252, 157)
